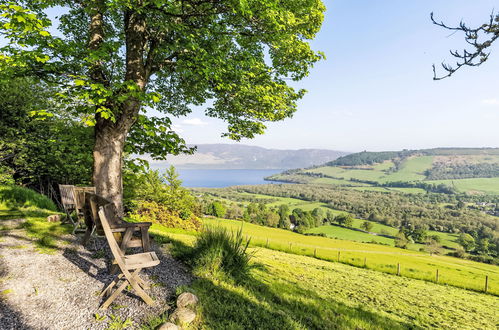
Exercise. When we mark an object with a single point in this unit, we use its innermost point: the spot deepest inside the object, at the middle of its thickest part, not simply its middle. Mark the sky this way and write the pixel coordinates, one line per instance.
(375, 89)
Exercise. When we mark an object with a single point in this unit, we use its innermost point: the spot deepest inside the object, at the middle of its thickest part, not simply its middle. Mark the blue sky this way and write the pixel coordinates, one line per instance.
(375, 89)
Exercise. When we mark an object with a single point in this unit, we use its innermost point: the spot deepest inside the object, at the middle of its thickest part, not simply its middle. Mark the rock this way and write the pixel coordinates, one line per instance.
(183, 315)
(54, 218)
(187, 299)
(168, 326)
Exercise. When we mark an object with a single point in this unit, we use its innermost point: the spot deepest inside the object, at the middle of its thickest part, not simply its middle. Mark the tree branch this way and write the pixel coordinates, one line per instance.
(478, 55)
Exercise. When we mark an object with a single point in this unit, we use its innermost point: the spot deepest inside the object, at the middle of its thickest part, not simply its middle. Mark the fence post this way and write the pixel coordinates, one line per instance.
(338, 256)
(267, 245)
(290, 247)
(315, 253)
(436, 277)
(398, 269)
(365, 262)
(486, 283)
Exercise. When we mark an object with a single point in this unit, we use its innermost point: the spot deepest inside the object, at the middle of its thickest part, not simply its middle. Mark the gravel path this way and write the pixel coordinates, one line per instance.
(60, 290)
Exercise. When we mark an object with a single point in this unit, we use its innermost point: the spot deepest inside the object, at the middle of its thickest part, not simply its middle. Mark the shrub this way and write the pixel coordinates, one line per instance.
(159, 213)
(16, 196)
(221, 254)
(216, 209)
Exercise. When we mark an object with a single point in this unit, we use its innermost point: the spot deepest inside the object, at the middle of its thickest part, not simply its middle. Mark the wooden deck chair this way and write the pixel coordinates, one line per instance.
(68, 201)
(123, 231)
(130, 266)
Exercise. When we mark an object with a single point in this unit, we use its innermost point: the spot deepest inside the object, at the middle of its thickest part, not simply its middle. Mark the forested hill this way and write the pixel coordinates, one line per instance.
(444, 170)
(238, 156)
(370, 158)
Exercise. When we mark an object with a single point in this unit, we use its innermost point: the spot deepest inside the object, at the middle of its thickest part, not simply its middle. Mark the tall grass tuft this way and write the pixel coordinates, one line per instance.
(16, 197)
(221, 254)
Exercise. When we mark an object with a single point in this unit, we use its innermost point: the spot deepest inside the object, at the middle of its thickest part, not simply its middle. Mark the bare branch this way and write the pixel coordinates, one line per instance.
(475, 57)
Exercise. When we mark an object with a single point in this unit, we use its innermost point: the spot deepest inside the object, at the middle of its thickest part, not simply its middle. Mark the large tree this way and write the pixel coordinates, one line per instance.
(115, 59)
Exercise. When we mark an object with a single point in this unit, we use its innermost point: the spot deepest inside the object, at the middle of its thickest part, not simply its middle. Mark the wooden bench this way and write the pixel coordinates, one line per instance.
(73, 200)
(123, 231)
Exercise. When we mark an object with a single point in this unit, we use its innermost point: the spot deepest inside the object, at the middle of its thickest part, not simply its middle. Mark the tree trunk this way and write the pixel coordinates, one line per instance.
(108, 163)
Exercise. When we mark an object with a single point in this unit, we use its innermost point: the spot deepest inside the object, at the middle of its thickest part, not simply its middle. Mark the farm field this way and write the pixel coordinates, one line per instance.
(474, 185)
(333, 231)
(411, 169)
(447, 239)
(296, 292)
(414, 264)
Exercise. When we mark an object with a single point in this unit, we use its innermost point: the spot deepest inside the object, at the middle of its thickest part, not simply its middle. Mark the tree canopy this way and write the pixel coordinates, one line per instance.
(113, 60)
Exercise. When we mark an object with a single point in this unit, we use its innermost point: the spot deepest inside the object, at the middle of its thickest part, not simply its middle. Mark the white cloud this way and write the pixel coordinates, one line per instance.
(177, 128)
(490, 102)
(194, 122)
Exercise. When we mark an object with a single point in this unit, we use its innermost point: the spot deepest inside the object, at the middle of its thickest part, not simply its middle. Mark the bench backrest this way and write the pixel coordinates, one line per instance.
(91, 211)
(67, 196)
(79, 193)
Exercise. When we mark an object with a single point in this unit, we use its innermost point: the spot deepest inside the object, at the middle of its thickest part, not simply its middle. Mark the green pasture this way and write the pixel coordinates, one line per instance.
(293, 291)
(414, 264)
(474, 185)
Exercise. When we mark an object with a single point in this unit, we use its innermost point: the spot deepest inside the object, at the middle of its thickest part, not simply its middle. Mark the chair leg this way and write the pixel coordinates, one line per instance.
(146, 245)
(113, 296)
(87, 235)
(134, 282)
(111, 285)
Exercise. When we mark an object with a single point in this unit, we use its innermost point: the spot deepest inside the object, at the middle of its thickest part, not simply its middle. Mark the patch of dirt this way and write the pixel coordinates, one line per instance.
(61, 290)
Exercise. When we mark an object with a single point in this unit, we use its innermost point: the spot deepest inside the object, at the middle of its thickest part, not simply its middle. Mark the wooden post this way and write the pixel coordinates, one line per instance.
(267, 245)
(315, 253)
(398, 269)
(486, 283)
(365, 262)
(436, 277)
(290, 246)
(338, 256)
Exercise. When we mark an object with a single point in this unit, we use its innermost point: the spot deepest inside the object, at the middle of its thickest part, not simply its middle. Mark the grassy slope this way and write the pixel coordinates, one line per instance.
(287, 291)
(447, 239)
(453, 271)
(481, 185)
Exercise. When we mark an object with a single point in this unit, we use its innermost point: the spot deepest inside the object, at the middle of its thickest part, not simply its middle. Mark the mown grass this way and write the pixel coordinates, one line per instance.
(288, 291)
(419, 265)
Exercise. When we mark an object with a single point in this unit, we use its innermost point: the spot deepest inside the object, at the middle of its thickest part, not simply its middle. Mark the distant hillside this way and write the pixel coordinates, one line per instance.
(446, 170)
(237, 156)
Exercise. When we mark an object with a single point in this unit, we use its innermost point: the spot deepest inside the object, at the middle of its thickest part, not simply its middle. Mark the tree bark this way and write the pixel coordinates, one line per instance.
(110, 135)
(108, 164)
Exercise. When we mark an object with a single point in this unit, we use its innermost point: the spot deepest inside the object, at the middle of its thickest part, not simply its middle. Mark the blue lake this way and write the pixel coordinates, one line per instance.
(223, 178)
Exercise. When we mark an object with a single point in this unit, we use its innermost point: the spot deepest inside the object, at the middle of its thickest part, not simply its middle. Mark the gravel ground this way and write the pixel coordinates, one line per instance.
(60, 290)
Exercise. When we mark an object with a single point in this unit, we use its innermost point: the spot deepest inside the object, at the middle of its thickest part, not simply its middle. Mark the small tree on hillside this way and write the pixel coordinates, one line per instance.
(217, 209)
(367, 226)
(466, 241)
(401, 240)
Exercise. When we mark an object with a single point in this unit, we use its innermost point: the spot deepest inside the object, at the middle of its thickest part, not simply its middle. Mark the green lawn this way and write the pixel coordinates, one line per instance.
(414, 264)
